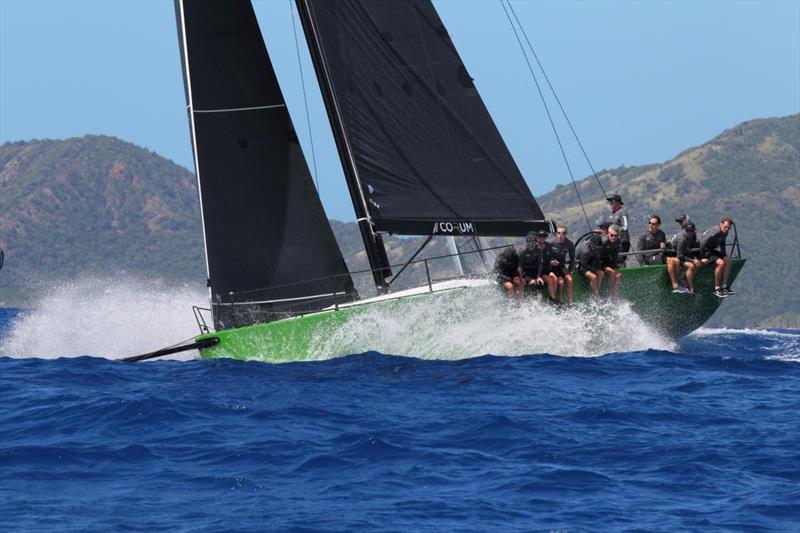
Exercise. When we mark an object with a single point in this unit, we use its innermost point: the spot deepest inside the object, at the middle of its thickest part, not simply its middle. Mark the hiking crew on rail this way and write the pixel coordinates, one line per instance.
(602, 254)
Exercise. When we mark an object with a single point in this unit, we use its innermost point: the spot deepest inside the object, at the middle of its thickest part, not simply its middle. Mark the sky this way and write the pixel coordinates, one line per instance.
(640, 81)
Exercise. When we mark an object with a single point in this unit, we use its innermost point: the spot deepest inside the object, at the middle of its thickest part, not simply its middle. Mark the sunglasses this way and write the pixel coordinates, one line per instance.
(653, 223)
(561, 233)
(612, 235)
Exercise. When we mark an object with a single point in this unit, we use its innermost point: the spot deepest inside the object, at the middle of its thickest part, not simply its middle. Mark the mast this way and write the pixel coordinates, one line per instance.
(262, 215)
(373, 241)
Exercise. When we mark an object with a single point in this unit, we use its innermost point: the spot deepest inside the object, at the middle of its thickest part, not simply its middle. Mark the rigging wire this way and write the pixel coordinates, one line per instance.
(563, 112)
(305, 98)
(549, 116)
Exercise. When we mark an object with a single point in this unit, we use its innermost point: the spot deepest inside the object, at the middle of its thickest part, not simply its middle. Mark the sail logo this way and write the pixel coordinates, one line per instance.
(453, 227)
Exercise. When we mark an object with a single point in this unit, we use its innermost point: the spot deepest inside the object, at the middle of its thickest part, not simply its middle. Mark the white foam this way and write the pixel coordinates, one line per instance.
(464, 324)
(746, 331)
(785, 344)
(110, 318)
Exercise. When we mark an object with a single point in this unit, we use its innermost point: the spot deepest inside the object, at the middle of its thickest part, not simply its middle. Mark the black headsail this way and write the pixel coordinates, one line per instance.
(427, 157)
(266, 234)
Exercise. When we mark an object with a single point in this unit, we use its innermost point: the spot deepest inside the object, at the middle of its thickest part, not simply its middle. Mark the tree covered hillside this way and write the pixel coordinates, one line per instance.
(751, 173)
(99, 205)
(94, 205)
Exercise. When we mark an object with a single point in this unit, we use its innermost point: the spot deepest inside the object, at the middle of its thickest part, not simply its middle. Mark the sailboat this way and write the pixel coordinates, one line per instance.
(420, 153)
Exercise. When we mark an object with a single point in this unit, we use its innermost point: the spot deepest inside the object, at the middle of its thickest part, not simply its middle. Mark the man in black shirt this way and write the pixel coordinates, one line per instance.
(546, 273)
(562, 262)
(619, 216)
(654, 239)
(712, 249)
(530, 260)
(588, 253)
(506, 268)
(609, 258)
(686, 255)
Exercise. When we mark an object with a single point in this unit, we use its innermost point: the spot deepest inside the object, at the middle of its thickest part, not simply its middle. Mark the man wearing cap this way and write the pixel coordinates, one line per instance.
(506, 268)
(589, 262)
(686, 255)
(653, 239)
(619, 216)
(546, 273)
(609, 258)
(712, 249)
(530, 259)
(563, 254)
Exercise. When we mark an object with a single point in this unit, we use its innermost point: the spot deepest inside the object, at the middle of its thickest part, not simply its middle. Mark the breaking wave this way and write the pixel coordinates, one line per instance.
(122, 317)
(464, 324)
(110, 318)
(780, 345)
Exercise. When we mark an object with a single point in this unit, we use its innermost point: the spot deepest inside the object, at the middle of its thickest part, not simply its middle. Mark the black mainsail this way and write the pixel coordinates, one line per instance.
(426, 156)
(266, 234)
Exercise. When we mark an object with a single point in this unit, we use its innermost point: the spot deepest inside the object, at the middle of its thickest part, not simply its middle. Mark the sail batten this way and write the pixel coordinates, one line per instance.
(423, 145)
(269, 247)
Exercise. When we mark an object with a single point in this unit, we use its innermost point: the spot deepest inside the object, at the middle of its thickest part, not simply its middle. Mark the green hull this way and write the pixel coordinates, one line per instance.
(305, 337)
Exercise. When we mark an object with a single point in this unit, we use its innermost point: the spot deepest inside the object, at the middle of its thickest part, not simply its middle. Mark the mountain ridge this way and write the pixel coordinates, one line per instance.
(98, 204)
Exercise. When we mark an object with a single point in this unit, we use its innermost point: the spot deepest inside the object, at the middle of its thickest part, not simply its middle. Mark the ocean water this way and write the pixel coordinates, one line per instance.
(610, 435)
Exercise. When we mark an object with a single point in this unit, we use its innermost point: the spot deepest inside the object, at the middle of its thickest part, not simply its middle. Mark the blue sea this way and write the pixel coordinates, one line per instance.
(704, 436)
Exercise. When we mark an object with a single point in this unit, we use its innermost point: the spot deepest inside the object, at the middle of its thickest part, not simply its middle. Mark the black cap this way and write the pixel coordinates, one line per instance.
(542, 233)
(596, 240)
(683, 219)
(604, 224)
(690, 226)
(615, 198)
(530, 237)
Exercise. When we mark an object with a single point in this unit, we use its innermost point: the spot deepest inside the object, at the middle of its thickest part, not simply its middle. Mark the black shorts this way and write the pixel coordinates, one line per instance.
(583, 269)
(559, 271)
(712, 259)
(528, 285)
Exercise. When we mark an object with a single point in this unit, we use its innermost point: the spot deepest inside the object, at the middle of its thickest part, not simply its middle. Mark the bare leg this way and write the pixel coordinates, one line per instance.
(614, 277)
(718, 273)
(689, 275)
(726, 270)
(594, 282)
(568, 279)
(673, 269)
(561, 289)
(552, 283)
(519, 286)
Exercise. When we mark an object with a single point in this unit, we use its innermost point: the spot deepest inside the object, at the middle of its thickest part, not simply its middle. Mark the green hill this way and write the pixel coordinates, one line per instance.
(94, 205)
(99, 205)
(751, 173)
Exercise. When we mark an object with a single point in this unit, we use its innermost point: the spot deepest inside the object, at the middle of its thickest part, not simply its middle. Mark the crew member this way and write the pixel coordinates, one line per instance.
(588, 253)
(562, 262)
(653, 239)
(609, 259)
(619, 216)
(686, 255)
(529, 263)
(546, 273)
(506, 271)
(712, 249)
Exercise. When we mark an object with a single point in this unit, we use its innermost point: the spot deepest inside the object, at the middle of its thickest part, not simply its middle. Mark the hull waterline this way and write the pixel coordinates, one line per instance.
(646, 288)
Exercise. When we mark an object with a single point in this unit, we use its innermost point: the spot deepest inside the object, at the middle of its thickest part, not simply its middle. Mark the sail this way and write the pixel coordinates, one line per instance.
(266, 234)
(427, 156)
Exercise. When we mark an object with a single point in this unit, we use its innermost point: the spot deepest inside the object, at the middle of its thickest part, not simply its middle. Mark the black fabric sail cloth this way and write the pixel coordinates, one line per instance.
(427, 153)
(266, 233)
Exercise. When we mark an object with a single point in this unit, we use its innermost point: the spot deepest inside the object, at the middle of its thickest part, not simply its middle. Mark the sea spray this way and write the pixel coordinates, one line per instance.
(462, 324)
(104, 317)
